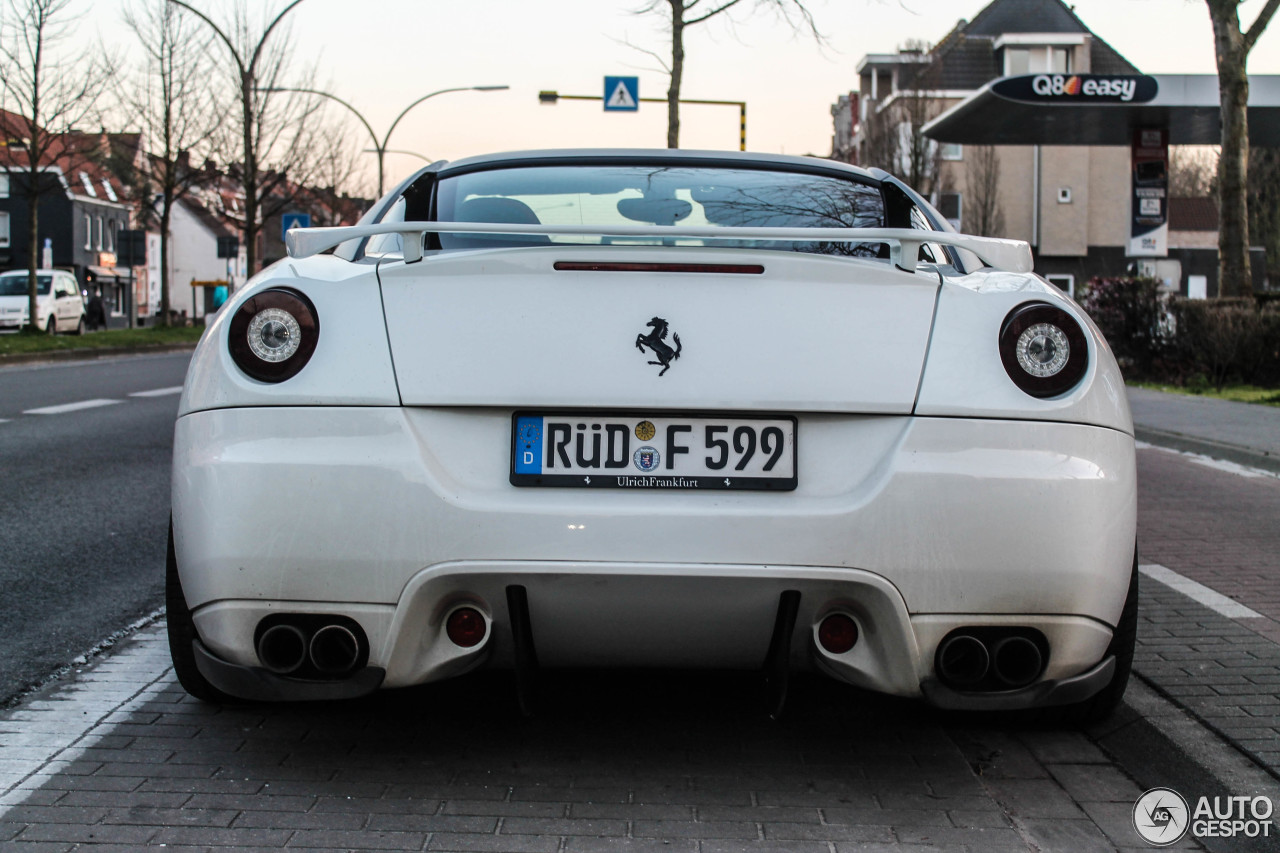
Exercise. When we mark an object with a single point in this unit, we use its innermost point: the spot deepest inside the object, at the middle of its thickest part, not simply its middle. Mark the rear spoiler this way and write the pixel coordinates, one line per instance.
(904, 243)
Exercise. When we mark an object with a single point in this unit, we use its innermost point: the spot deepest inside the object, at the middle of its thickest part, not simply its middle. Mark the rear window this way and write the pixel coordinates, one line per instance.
(16, 284)
(660, 196)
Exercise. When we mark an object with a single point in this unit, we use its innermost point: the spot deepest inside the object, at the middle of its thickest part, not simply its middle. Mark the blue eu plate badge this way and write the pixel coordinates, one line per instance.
(528, 445)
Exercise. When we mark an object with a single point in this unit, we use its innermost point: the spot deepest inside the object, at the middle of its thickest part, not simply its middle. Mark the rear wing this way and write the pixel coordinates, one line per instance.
(904, 243)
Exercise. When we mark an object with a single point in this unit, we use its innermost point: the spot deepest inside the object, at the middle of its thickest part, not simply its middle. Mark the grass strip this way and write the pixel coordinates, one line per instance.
(14, 344)
(1237, 393)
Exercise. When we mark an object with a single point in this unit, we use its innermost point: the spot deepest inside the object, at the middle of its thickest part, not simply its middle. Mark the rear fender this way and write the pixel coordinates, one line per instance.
(352, 362)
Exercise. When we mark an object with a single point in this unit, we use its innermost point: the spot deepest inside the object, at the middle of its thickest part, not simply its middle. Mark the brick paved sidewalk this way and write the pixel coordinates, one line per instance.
(1221, 671)
(659, 762)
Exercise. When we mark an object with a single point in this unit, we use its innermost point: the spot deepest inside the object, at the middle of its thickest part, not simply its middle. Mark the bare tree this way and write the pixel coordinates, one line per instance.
(982, 184)
(178, 114)
(1232, 46)
(892, 137)
(339, 166)
(683, 14)
(1192, 170)
(52, 90)
(275, 137)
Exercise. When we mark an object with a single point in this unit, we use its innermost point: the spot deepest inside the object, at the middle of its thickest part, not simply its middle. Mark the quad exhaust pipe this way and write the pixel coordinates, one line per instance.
(989, 659)
(282, 649)
(1016, 661)
(330, 650)
(334, 650)
(963, 660)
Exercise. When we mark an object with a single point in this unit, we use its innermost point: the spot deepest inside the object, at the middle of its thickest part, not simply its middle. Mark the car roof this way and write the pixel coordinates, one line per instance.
(682, 156)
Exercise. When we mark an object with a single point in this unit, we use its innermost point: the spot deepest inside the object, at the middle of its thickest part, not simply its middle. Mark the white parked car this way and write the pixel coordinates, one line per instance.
(655, 408)
(59, 305)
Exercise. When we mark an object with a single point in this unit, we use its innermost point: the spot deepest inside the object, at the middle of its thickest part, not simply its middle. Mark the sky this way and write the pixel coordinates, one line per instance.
(381, 55)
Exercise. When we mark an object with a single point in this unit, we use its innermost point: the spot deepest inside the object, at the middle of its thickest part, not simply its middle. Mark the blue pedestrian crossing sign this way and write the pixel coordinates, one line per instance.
(294, 220)
(621, 94)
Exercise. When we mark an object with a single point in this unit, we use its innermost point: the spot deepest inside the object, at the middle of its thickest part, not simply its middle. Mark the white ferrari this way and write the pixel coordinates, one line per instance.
(655, 409)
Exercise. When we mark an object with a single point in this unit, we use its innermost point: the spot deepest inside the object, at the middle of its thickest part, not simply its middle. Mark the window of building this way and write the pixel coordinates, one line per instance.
(88, 231)
(88, 184)
(951, 151)
(1065, 283)
(1037, 60)
(97, 222)
(111, 235)
(4, 228)
(4, 185)
(949, 205)
(1017, 60)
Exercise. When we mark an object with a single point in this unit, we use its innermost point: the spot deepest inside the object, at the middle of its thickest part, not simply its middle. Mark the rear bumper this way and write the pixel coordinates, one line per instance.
(914, 526)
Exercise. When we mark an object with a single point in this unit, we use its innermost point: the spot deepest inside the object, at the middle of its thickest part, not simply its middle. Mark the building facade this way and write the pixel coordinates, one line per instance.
(1070, 203)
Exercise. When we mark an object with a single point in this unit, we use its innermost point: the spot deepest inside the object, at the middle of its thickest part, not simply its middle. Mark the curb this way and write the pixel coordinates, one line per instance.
(91, 354)
(1160, 745)
(1246, 456)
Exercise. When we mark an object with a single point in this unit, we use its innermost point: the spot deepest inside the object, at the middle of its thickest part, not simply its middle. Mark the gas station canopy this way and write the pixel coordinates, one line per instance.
(1103, 109)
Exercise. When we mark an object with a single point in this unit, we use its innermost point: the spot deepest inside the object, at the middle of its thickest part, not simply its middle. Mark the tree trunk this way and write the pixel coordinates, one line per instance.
(250, 177)
(165, 217)
(677, 70)
(1234, 278)
(1233, 86)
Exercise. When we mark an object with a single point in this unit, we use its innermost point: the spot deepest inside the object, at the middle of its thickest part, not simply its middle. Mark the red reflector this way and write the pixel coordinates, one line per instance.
(838, 633)
(465, 627)
(610, 266)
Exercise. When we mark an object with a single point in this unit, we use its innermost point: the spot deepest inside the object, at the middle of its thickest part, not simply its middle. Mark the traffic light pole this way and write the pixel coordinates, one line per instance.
(550, 97)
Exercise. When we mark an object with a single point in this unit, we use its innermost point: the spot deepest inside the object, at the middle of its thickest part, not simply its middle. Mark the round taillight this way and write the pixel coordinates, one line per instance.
(1043, 349)
(466, 627)
(837, 633)
(273, 334)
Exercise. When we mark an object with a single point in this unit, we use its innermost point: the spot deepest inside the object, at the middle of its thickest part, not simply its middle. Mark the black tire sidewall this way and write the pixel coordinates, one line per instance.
(182, 634)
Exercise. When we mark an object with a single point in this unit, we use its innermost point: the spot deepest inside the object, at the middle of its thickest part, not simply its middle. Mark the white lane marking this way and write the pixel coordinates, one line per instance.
(158, 392)
(55, 727)
(71, 407)
(4, 420)
(1210, 462)
(1216, 601)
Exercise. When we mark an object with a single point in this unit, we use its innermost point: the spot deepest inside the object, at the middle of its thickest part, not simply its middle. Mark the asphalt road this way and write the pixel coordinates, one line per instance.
(84, 506)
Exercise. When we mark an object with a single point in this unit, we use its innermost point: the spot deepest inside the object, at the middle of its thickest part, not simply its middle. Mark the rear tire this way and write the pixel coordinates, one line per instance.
(182, 633)
(51, 327)
(80, 326)
(1101, 705)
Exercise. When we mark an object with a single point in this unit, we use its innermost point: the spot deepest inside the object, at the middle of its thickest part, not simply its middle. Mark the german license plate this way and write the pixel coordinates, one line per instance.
(607, 451)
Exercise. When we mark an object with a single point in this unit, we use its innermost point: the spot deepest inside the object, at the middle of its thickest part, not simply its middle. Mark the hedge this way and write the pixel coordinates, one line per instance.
(1186, 341)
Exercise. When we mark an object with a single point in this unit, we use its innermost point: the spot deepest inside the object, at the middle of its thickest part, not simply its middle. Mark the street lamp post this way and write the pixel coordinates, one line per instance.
(380, 147)
(247, 65)
(424, 158)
